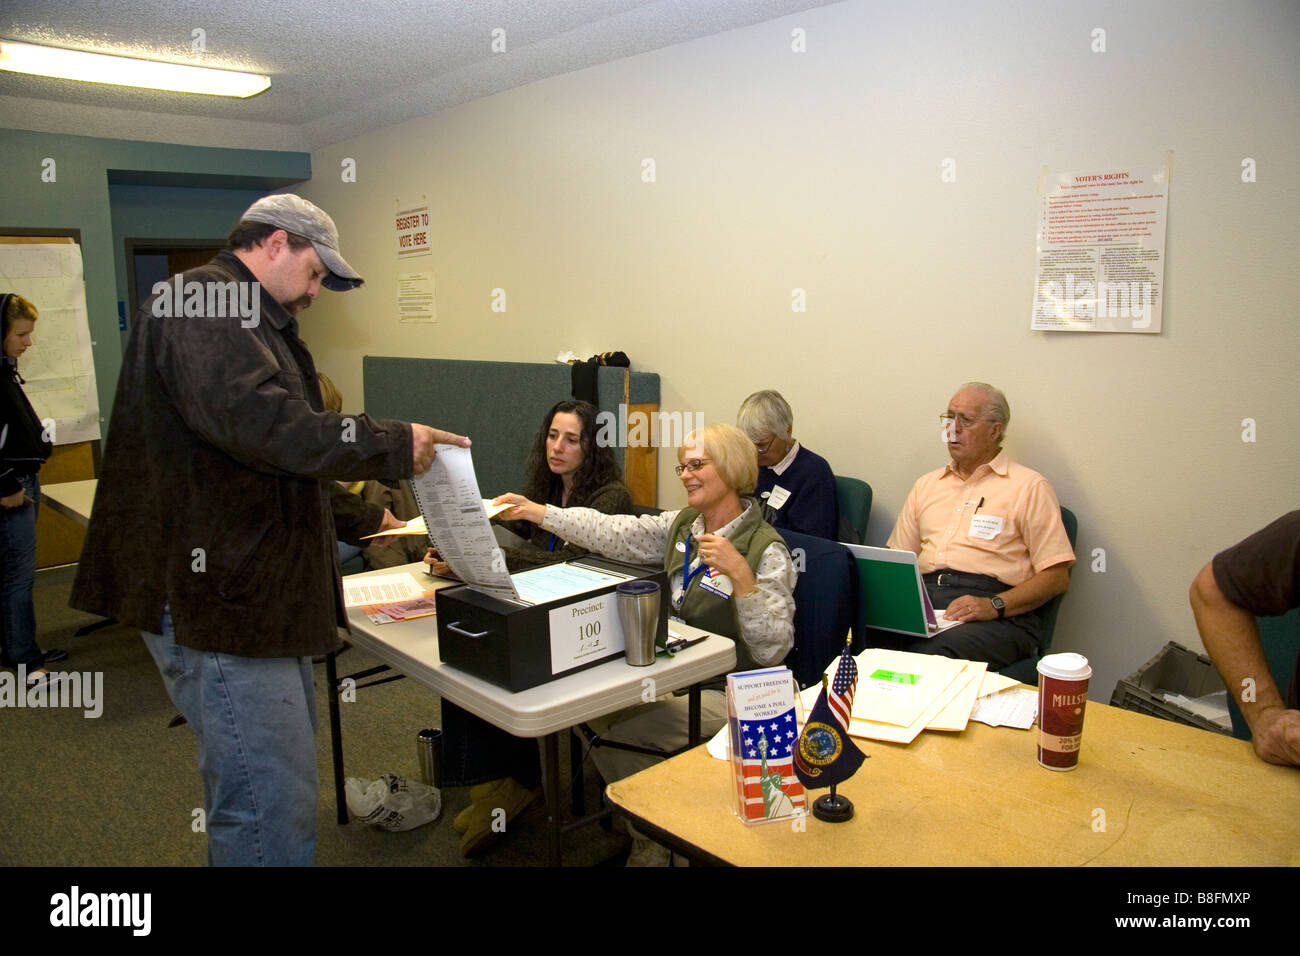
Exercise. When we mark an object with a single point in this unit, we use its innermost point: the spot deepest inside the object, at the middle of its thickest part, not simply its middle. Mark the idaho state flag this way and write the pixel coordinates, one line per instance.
(825, 755)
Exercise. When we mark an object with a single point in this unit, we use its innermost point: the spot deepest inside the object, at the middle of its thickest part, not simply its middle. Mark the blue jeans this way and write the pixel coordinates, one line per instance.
(18, 561)
(255, 719)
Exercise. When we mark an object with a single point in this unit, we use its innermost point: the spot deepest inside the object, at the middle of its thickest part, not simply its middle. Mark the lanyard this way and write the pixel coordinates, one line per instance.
(687, 574)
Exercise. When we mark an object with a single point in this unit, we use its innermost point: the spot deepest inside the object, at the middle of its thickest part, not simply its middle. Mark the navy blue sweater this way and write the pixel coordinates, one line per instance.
(812, 507)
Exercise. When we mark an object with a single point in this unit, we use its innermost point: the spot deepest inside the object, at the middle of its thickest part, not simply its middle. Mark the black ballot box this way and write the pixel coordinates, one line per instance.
(518, 646)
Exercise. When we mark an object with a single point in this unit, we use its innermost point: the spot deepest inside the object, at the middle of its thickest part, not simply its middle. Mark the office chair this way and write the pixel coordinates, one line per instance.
(1025, 670)
(826, 599)
(854, 498)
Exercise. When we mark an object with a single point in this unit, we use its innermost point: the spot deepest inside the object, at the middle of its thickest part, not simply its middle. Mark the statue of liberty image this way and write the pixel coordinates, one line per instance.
(776, 803)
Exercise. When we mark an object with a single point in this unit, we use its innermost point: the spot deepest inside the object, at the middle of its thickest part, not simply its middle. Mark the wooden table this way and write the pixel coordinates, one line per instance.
(73, 499)
(1147, 792)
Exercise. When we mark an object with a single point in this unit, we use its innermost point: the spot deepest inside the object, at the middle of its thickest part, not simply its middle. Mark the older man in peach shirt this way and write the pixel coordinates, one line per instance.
(988, 536)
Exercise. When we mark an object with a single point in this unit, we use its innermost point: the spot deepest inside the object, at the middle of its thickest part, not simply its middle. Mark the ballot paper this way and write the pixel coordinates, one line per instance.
(551, 582)
(380, 589)
(1008, 708)
(452, 508)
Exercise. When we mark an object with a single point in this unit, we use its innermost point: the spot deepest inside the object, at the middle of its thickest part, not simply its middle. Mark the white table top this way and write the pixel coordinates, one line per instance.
(412, 648)
(72, 498)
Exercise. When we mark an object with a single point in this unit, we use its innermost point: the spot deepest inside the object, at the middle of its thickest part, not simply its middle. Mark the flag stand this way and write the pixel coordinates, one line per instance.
(825, 756)
(832, 808)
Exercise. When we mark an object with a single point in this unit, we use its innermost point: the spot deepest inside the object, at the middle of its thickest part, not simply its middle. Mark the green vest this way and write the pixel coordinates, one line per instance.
(702, 608)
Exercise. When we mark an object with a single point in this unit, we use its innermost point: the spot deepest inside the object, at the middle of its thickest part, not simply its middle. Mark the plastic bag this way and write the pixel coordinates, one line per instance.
(392, 802)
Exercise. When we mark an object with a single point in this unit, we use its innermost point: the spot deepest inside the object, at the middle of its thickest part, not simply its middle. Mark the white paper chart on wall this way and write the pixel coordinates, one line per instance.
(59, 368)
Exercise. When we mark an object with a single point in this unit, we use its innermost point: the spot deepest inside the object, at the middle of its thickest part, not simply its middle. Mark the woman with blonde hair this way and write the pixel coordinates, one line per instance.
(24, 447)
(729, 572)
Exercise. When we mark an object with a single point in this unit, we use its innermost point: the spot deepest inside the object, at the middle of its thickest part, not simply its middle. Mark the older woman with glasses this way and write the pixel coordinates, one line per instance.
(729, 572)
(795, 487)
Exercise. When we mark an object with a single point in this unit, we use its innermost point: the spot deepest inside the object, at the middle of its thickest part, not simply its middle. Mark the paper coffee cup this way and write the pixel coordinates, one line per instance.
(1062, 698)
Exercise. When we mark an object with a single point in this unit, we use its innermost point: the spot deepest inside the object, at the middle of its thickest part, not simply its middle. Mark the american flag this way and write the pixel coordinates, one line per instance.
(776, 739)
(845, 683)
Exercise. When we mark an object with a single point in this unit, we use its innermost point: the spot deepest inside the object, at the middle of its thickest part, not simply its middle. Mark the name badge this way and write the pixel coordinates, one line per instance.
(778, 497)
(985, 527)
(717, 583)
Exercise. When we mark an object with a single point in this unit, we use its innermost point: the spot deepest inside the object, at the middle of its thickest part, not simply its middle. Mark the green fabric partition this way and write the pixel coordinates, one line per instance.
(499, 405)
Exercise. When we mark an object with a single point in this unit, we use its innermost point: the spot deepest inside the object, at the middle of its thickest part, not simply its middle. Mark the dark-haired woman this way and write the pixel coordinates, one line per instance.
(566, 467)
(23, 449)
(569, 468)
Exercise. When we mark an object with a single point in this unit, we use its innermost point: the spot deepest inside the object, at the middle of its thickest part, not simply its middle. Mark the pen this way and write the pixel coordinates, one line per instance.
(672, 647)
(978, 507)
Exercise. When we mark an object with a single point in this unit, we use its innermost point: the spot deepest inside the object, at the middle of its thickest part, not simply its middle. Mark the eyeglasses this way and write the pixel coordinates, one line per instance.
(948, 418)
(693, 465)
(762, 446)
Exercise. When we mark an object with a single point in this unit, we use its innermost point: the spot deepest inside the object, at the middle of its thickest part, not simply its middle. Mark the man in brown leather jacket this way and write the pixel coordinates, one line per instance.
(212, 529)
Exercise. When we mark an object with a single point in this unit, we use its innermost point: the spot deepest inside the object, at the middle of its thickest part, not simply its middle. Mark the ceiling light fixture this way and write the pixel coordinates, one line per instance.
(127, 71)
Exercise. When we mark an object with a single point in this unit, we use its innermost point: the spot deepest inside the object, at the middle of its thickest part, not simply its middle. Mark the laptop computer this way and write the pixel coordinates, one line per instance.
(893, 592)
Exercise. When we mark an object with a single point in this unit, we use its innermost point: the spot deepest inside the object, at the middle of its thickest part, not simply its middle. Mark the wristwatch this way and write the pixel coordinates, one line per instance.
(1000, 606)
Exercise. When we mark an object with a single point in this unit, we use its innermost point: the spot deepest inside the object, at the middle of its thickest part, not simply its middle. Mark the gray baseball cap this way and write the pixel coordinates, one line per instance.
(296, 215)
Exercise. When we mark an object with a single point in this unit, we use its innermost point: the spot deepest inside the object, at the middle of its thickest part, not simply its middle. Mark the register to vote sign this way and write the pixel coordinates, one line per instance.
(413, 231)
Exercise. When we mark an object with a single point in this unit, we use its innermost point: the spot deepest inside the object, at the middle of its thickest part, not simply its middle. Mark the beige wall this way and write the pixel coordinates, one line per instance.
(821, 170)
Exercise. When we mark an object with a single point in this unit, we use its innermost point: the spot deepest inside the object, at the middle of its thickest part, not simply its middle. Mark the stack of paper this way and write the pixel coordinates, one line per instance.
(380, 589)
(1003, 703)
(901, 694)
(402, 611)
